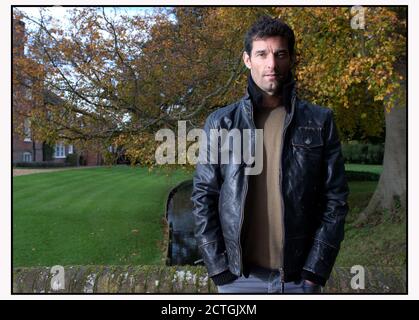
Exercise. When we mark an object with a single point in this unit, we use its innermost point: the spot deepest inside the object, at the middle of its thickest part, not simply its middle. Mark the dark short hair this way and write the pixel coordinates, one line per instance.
(267, 26)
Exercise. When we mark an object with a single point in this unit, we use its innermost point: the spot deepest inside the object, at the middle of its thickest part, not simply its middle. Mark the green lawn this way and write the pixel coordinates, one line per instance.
(102, 215)
(374, 168)
(91, 216)
(382, 243)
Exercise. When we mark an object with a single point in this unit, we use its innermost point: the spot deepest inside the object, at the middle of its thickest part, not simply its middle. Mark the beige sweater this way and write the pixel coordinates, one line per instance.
(263, 227)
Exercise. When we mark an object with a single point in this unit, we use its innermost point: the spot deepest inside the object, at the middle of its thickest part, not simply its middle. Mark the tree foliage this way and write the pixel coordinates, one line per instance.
(118, 79)
(353, 71)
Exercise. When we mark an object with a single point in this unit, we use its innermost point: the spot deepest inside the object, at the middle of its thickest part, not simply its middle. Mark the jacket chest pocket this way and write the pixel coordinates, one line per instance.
(308, 142)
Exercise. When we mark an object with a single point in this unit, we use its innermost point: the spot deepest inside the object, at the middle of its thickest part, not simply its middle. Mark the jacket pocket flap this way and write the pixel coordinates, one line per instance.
(308, 137)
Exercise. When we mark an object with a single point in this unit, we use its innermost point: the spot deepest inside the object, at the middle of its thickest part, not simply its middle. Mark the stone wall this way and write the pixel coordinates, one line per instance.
(176, 279)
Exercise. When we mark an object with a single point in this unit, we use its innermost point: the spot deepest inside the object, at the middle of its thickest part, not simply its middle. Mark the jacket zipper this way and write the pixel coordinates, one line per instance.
(242, 208)
(281, 268)
(241, 224)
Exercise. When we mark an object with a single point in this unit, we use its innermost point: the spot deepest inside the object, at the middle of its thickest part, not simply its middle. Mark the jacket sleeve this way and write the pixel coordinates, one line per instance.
(330, 232)
(207, 182)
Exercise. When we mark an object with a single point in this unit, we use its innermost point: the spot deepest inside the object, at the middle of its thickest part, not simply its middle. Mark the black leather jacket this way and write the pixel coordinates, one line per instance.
(314, 191)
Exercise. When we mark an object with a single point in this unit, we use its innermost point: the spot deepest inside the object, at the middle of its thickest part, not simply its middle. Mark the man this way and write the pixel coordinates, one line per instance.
(280, 230)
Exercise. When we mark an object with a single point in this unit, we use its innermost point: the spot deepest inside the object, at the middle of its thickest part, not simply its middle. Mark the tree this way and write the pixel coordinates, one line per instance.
(359, 73)
(123, 78)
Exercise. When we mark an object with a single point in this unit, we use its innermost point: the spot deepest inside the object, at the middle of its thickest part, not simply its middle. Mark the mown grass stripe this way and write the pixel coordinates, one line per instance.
(88, 216)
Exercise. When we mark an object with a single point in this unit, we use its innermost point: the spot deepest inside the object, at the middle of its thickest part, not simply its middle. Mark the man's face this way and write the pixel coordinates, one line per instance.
(269, 63)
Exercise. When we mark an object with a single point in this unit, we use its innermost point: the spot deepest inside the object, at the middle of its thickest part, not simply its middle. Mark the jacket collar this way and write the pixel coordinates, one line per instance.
(254, 94)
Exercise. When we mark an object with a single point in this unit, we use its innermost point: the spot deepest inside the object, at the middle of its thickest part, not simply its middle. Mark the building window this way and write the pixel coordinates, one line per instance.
(59, 150)
(27, 130)
(27, 157)
(70, 149)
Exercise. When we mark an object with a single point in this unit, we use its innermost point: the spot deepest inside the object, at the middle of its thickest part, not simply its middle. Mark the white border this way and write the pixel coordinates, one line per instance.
(5, 172)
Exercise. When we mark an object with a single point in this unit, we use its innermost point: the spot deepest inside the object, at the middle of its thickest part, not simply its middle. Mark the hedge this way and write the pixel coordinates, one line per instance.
(365, 153)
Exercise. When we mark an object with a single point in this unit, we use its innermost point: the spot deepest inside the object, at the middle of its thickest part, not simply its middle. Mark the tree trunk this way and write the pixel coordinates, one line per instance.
(391, 189)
